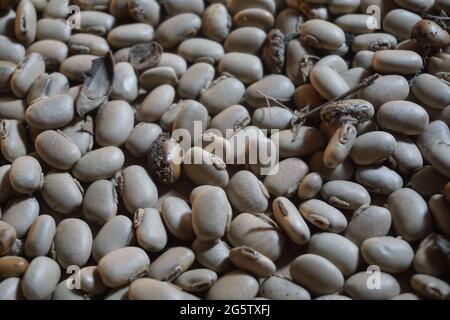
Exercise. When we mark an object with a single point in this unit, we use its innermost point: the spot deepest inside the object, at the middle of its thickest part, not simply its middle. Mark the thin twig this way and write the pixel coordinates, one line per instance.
(300, 119)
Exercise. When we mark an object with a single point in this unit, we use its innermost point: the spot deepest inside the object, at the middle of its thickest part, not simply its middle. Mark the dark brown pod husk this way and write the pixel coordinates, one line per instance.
(144, 56)
(274, 51)
(164, 159)
(342, 112)
(6, 4)
(97, 85)
(430, 35)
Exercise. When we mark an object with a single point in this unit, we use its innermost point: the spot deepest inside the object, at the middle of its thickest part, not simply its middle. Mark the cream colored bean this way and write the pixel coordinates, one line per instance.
(356, 287)
(373, 148)
(246, 67)
(211, 213)
(411, 217)
(27, 71)
(171, 264)
(201, 50)
(272, 118)
(368, 222)
(74, 67)
(392, 255)
(236, 285)
(141, 138)
(121, 114)
(379, 179)
(125, 86)
(196, 280)
(57, 150)
(277, 86)
(99, 164)
(150, 232)
(328, 82)
(39, 239)
(6, 70)
(308, 141)
(85, 43)
(20, 213)
(25, 175)
(14, 139)
(339, 146)
(156, 103)
(399, 23)
(62, 192)
(345, 194)
(12, 108)
(53, 29)
(10, 289)
(40, 279)
(309, 186)
(130, 34)
(407, 156)
(212, 255)
(322, 34)
(278, 288)
(246, 39)
(122, 266)
(402, 62)
(47, 85)
(178, 28)
(323, 216)
(226, 91)
(151, 289)
(343, 253)
(11, 50)
(73, 242)
(232, 119)
(431, 91)
(374, 42)
(37, 114)
(254, 17)
(177, 216)
(291, 220)
(287, 177)
(403, 116)
(137, 189)
(117, 233)
(258, 232)
(252, 261)
(211, 170)
(80, 131)
(25, 23)
(195, 79)
(247, 193)
(317, 274)
(100, 202)
(216, 22)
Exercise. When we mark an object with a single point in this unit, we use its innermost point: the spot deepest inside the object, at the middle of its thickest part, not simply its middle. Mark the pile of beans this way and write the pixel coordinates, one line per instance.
(97, 201)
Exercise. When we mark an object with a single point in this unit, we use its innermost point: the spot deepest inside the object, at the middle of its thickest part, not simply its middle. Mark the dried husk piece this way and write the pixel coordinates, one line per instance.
(342, 112)
(274, 51)
(97, 85)
(144, 56)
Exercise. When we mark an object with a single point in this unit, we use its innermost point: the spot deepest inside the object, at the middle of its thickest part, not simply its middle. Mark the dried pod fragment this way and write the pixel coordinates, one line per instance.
(273, 52)
(346, 112)
(97, 85)
(144, 56)
(164, 159)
